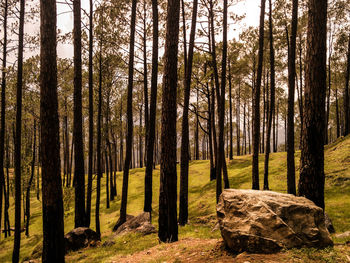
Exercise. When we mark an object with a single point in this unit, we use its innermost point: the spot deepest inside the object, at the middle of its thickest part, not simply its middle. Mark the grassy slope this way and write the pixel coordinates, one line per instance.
(201, 208)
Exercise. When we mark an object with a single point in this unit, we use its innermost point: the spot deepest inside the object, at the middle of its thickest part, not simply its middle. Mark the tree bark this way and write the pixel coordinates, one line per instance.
(238, 119)
(271, 106)
(3, 112)
(291, 99)
(91, 116)
(347, 95)
(256, 102)
(230, 110)
(17, 140)
(79, 174)
(129, 136)
(150, 130)
(30, 182)
(53, 224)
(312, 177)
(168, 229)
(183, 213)
(221, 167)
(98, 144)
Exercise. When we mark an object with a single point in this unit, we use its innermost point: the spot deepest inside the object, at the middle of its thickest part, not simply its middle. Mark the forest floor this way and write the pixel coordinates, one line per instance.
(199, 242)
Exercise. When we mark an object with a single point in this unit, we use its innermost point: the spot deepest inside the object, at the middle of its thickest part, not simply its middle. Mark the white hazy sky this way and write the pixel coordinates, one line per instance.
(249, 7)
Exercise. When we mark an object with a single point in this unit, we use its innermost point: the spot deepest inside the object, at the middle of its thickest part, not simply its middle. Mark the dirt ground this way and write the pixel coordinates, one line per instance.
(199, 250)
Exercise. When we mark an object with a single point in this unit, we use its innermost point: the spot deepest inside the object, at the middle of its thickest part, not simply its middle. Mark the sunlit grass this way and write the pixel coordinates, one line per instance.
(201, 204)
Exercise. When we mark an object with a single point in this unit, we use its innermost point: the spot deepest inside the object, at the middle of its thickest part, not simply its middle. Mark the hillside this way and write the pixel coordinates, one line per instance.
(198, 243)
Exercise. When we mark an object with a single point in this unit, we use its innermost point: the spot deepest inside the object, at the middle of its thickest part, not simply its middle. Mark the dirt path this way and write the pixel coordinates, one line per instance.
(197, 250)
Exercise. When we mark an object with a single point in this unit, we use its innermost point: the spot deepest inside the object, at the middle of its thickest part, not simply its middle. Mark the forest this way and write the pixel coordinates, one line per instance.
(175, 131)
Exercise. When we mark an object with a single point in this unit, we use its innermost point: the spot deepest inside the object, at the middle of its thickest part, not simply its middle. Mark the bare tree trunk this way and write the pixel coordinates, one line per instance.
(183, 208)
(271, 106)
(79, 173)
(17, 140)
(230, 111)
(312, 177)
(337, 112)
(150, 130)
(91, 116)
(98, 145)
(168, 229)
(3, 113)
(129, 136)
(238, 119)
(291, 98)
(347, 95)
(53, 224)
(30, 182)
(256, 101)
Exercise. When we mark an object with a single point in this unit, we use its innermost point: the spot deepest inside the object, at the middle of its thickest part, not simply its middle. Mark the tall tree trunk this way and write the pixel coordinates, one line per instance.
(91, 116)
(291, 98)
(210, 133)
(3, 112)
(79, 174)
(129, 136)
(256, 102)
(312, 177)
(145, 71)
(30, 182)
(244, 128)
(183, 208)
(107, 177)
(7, 194)
(300, 98)
(238, 119)
(221, 164)
(347, 95)
(337, 112)
(52, 200)
(150, 130)
(230, 110)
(98, 144)
(271, 106)
(168, 229)
(17, 140)
(121, 136)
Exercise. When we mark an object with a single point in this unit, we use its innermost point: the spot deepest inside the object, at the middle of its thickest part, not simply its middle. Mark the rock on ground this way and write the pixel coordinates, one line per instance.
(139, 224)
(80, 237)
(329, 224)
(265, 222)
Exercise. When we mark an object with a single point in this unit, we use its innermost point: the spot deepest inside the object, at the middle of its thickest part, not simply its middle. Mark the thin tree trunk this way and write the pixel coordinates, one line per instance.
(53, 224)
(291, 98)
(230, 110)
(98, 145)
(79, 174)
(271, 106)
(17, 140)
(107, 177)
(145, 72)
(150, 130)
(183, 208)
(238, 119)
(129, 136)
(347, 95)
(3, 112)
(30, 182)
(256, 101)
(337, 112)
(91, 116)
